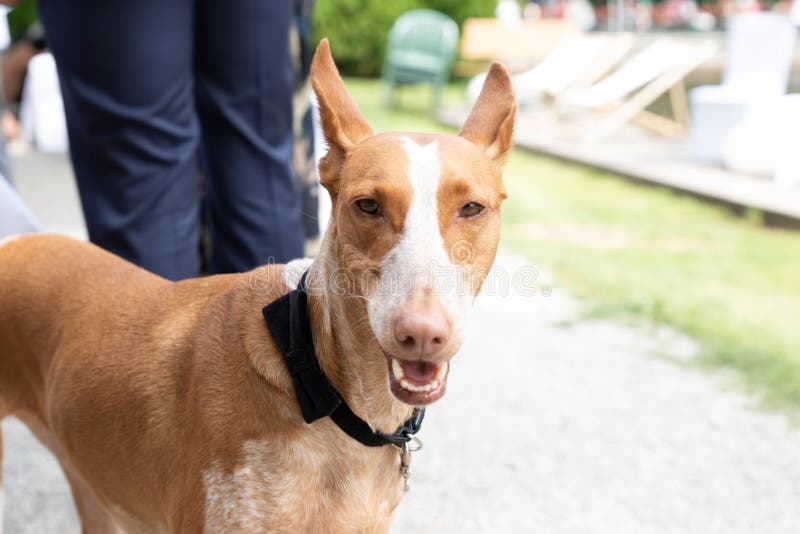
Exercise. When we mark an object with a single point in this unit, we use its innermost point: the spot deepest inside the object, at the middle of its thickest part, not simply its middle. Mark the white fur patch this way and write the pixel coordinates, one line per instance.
(293, 271)
(2, 498)
(420, 257)
(280, 488)
(232, 500)
(258, 495)
(254, 496)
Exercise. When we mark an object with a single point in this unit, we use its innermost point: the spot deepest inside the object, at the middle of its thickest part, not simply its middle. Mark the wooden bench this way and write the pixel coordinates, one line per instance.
(517, 45)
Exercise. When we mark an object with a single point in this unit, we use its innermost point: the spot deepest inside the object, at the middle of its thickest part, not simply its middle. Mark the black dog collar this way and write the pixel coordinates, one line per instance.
(287, 321)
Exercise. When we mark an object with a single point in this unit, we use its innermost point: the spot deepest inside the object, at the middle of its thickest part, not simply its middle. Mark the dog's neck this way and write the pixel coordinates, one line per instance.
(347, 350)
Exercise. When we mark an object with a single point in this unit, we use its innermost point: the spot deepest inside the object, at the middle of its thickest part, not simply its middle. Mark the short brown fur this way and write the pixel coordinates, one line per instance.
(168, 404)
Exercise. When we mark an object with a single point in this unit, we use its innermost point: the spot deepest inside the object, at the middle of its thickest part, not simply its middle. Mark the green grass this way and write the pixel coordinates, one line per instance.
(647, 253)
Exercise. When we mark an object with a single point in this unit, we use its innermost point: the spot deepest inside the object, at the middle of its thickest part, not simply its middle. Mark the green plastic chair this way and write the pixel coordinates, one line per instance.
(420, 49)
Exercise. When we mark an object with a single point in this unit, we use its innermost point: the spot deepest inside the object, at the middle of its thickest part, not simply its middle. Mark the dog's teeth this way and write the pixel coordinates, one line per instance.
(441, 373)
(408, 386)
(397, 369)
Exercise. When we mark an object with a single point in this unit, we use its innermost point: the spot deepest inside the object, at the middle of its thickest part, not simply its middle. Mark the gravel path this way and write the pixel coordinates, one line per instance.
(596, 428)
(552, 425)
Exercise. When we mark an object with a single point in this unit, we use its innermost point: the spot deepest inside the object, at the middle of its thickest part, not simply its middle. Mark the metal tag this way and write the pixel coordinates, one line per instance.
(406, 449)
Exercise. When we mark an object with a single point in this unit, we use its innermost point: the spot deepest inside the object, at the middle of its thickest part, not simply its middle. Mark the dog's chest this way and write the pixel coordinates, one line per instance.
(299, 490)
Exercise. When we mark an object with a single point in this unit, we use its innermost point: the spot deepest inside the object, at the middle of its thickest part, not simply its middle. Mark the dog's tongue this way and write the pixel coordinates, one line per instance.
(420, 372)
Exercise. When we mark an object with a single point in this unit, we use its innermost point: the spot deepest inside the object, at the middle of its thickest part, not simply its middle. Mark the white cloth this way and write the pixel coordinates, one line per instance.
(752, 78)
(764, 142)
(42, 117)
(794, 15)
(5, 35)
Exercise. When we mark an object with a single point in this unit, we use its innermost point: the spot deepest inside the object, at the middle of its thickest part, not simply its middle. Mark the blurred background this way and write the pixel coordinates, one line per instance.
(653, 382)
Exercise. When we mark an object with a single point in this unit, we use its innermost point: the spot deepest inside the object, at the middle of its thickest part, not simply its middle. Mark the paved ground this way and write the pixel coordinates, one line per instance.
(550, 425)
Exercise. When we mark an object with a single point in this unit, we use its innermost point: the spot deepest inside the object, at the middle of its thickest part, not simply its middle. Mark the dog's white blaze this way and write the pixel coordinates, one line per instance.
(2, 499)
(420, 256)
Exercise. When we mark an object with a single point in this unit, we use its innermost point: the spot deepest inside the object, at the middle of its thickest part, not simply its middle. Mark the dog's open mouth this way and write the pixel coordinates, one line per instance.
(417, 382)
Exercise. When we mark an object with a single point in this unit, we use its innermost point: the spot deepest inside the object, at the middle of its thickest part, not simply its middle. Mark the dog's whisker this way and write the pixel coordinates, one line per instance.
(364, 297)
(309, 215)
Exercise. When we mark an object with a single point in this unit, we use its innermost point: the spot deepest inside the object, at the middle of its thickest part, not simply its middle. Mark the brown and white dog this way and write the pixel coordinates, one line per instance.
(168, 404)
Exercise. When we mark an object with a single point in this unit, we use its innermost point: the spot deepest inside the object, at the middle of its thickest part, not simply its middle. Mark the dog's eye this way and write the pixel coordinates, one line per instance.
(470, 209)
(368, 206)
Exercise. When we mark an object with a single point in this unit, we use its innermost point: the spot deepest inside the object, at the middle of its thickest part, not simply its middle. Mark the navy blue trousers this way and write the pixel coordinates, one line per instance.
(151, 88)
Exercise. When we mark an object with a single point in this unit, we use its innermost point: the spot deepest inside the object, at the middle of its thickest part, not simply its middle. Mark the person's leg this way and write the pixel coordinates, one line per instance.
(126, 76)
(244, 80)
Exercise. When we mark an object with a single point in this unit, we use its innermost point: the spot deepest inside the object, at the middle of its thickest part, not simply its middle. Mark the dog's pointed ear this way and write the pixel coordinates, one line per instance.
(342, 123)
(491, 122)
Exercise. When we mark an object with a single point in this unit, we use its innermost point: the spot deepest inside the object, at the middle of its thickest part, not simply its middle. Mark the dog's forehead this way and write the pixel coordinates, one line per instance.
(389, 156)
